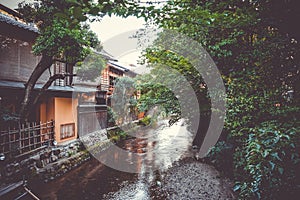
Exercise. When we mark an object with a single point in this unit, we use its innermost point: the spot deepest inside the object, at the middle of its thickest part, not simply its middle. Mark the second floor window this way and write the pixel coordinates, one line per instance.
(112, 80)
(63, 68)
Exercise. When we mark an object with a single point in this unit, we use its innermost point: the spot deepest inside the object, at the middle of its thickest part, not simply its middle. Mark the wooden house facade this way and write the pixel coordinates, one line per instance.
(110, 73)
(71, 107)
(58, 104)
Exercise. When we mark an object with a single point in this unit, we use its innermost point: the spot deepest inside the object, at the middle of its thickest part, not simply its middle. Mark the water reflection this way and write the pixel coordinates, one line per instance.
(153, 149)
(157, 150)
(147, 155)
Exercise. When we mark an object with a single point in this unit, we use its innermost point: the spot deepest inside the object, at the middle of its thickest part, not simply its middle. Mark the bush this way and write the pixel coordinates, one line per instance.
(221, 156)
(111, 116)
(117, 134)
(268, 163)
(145, 121)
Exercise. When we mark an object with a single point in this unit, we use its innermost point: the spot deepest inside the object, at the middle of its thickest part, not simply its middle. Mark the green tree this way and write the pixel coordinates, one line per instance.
(62, 37)
(123, 102)
(155, 93)
(170, 83)
(258, 56)
(63, 34)
(91, 67)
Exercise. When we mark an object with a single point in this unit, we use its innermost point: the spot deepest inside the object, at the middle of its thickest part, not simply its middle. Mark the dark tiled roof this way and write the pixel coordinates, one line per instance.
(9, 20)
(20, 85)
(118, 66)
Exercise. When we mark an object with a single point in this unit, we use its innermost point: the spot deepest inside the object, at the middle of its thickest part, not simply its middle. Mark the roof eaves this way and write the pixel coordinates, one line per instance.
(9, 20)
(20, 85)
(118, 66)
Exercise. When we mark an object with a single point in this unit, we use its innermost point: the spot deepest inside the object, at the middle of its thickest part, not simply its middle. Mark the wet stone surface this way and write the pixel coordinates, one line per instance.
(191, 179)
(168, 171)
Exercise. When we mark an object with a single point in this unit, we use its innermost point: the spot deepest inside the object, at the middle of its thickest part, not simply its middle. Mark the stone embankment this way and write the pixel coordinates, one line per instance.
(50, 162)
(46, 163)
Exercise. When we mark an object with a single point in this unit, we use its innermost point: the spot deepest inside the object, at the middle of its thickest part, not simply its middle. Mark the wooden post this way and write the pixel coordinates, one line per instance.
(9, 143)
(20, 142)
(3, 141)
(52, 130)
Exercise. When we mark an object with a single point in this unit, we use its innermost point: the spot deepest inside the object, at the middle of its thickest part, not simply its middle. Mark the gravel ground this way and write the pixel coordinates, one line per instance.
(191, 179)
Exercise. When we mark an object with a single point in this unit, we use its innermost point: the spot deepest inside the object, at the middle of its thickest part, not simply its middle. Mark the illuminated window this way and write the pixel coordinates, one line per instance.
(67, 130)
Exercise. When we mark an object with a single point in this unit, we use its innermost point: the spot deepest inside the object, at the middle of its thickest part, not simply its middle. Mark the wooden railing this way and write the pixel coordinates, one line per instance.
(25, 138)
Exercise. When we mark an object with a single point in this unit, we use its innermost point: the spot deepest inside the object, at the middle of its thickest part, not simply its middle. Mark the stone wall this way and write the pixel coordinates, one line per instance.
(46, 164)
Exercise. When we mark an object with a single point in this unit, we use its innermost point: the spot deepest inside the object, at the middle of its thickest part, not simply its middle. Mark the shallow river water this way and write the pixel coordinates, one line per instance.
(156, 148)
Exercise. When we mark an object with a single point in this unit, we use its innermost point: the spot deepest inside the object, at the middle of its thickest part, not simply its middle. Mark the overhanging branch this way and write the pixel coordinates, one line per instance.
(47, 85)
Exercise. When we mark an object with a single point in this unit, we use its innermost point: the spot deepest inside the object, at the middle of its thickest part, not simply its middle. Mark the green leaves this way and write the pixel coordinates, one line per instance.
(61, 15)
(78, 14)
(63, 31)
(123, 100)
(258, 66)
(272, 165)
(59, 40)
(91, 68)
(236, 187)
(280, 170)
(94, 11)
(269, 160)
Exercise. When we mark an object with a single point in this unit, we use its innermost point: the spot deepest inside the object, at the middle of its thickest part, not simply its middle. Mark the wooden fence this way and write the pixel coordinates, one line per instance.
(27, 137)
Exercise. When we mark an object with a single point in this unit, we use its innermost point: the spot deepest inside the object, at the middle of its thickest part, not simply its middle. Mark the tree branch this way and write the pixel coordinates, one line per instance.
(45, 62)
(46, 86)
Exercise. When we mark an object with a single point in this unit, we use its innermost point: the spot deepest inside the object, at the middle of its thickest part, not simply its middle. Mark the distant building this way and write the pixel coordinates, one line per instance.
(112, 71)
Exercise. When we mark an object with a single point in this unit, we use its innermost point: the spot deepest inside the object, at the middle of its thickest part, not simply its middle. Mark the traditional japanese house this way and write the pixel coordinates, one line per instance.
(55, 114)
(112, 71)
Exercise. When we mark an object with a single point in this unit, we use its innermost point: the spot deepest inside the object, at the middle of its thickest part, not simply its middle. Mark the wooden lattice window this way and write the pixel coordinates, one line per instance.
(67, 130)
(112, 81)
(59, 68)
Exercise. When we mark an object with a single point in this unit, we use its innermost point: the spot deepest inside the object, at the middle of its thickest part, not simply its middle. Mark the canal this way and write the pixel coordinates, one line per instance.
(159, 148)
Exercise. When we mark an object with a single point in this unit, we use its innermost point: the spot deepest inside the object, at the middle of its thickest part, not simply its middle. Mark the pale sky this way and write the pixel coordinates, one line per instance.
(10, 3)
(114, 33)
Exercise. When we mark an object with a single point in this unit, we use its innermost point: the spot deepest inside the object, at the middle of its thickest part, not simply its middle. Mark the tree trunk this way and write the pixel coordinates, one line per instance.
(44, 89)
(45, 62)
